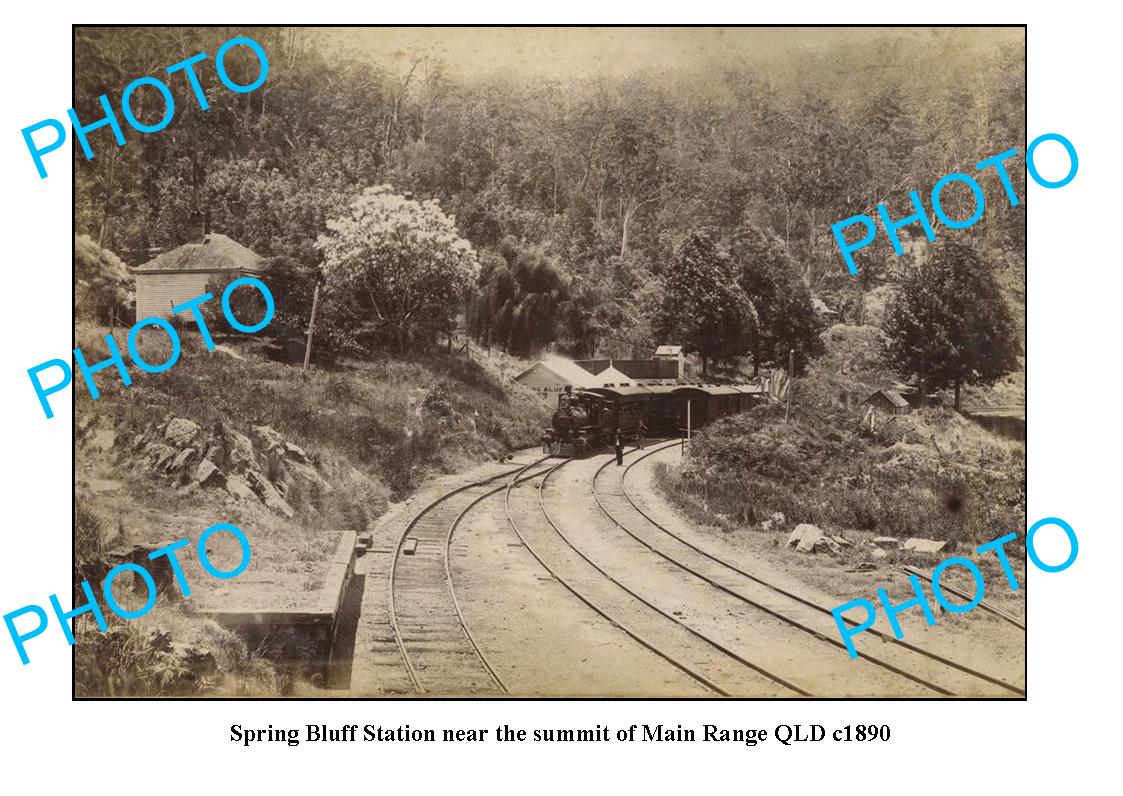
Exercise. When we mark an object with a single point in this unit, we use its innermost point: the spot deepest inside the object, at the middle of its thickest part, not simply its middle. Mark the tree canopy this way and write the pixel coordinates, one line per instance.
(397, 264)
(522, 299)
(703, 306)
(103, 286)
(599, 172)
(950, 325)
(787, 320)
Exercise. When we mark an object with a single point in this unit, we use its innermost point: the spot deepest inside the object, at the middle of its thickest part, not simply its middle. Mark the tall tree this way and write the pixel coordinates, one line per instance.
(103, 287)
(950, 324)
(703, 307)
(787, 320)
(522, 299)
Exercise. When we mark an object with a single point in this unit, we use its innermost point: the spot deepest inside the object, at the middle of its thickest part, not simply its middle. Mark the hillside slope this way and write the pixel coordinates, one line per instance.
(232, 436)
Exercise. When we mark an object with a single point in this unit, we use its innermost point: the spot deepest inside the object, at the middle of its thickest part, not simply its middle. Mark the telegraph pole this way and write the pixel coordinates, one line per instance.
(311, 327)
(791, 372)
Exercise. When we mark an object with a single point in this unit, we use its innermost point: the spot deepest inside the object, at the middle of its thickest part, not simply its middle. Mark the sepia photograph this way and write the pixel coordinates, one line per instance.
(548, 362)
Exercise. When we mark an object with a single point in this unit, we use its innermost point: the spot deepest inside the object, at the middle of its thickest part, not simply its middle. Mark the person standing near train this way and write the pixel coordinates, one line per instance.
(619, 445)
(641, 434)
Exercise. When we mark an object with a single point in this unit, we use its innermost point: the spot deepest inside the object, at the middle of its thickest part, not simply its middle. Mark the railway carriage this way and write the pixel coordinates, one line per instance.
(588, 419)
(662, 410)
(707, 402)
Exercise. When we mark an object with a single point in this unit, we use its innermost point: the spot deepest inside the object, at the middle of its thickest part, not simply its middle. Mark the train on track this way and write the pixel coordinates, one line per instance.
(588, 419)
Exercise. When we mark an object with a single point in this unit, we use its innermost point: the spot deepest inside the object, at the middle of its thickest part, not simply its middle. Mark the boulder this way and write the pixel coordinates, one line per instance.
(180, 432)
(239, 488)
(268, 494)
(104, 440)
(208, 474)
(240, 455)
(296, 453)
(923, 545)
(807, 538)
(157, 456)
(885, 541)
(179, 463)
(877, 552)
(267, 438)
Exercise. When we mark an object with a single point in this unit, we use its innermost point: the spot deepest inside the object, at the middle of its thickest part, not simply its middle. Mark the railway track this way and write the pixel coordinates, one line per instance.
(713, 665)
(439, 651)
(930, 670)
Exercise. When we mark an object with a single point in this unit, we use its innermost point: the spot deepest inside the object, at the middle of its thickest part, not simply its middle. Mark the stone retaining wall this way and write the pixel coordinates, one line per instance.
(299, 639)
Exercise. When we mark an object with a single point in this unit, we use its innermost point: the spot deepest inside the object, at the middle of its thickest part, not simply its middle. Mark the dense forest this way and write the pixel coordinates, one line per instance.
(574, 206)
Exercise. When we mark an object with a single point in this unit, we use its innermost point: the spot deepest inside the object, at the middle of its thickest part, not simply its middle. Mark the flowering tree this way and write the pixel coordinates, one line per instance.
(395, 264)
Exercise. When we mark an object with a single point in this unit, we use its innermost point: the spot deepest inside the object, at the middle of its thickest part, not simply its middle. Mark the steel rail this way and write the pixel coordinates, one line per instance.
(397, 554)
(678, 664)
(519, 476)
(790, 595)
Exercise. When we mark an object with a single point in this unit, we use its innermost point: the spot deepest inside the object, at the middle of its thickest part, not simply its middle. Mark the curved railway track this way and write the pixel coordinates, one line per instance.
(439, 651)
(779, 602)
(441, 654)
(675, 648)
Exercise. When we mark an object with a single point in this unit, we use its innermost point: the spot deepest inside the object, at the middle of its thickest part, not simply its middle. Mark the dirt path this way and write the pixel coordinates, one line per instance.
(591, 608)
(541, 639)
(976, 640)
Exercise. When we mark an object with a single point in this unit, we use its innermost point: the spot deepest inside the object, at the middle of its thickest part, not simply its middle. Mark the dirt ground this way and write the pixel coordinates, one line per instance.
(542, 639)
(977, 639)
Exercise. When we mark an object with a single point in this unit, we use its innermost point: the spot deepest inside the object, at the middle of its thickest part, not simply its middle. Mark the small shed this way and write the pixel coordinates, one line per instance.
(188, 271)
(889, 402)
(672, 353)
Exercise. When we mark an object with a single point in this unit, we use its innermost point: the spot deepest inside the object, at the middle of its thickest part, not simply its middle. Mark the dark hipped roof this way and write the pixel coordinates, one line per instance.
(218, 253)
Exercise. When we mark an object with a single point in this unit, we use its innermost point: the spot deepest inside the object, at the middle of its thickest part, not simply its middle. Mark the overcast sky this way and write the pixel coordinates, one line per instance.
(578, 52)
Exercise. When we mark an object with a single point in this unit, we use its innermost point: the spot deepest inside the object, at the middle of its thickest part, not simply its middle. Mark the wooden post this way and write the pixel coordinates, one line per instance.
(791, 371)
(311, 328)
(688, 419)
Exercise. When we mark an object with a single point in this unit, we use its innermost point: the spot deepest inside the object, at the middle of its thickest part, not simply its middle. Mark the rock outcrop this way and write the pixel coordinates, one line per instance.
(262, 467)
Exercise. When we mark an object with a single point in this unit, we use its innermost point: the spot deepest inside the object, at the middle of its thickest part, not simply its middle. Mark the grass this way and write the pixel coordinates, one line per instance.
(374, 431)
(397, 420)
(928, 474)
(175, 654)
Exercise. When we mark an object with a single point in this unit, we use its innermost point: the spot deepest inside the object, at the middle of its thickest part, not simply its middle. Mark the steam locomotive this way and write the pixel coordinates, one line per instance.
(587, 419)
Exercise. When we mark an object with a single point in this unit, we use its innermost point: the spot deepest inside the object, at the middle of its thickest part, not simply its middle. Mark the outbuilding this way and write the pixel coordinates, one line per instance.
(190, 271)
(889, 402)
(552, 376)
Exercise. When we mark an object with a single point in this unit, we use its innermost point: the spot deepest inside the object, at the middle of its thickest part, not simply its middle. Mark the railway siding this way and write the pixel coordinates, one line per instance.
(379, 667)
(657, 524)
(765, 638)
(540, 638)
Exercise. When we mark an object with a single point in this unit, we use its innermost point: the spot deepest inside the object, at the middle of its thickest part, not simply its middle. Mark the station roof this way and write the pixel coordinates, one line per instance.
(708, 389)
(610, 377)
(565, 370)
(620, 392)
